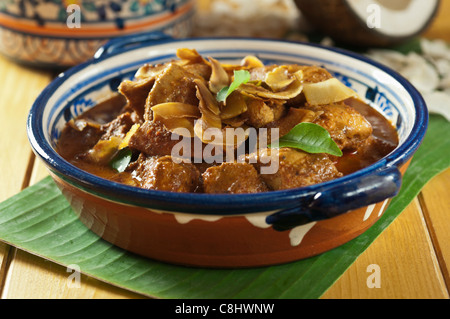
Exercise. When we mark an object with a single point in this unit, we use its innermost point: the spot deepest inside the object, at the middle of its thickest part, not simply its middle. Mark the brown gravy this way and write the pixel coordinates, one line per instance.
(74, 142)
(383, 141)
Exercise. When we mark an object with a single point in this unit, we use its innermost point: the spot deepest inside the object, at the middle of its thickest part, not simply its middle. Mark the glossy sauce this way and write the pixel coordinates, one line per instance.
(72, 142)
(383, 141)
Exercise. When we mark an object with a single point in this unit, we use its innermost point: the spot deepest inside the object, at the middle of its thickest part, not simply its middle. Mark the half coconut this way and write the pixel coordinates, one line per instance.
(365, 23)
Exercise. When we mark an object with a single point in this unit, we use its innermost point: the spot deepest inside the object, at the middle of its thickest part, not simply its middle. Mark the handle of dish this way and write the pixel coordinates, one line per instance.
(129, 41)
(337, 200)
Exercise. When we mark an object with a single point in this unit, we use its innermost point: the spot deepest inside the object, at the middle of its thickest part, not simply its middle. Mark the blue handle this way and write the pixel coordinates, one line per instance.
(129, 41)
(336, 200)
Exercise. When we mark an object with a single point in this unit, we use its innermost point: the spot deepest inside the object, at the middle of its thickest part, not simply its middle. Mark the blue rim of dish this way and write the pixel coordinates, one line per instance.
(212, 204)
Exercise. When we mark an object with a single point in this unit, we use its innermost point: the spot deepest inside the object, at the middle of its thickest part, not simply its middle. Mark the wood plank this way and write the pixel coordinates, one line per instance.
(404, 253)
(31, 276)
(17, 94)
(4, 253)
(19, 89)
(436, 205)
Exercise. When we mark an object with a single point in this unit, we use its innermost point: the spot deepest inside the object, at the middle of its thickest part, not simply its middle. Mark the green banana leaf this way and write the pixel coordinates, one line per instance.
(39, 220)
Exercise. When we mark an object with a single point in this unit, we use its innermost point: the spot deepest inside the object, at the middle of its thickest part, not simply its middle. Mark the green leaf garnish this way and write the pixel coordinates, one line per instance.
(311, 138)
(121, 160)
(240, 77)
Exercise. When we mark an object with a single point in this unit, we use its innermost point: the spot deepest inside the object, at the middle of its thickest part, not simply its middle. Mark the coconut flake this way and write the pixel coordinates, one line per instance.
(335, 90)
(393, 59)
(435, 48)
(438, 102)
(429, 73)
(442, 66)
(262, 18)
(445, 83)
(421, 73)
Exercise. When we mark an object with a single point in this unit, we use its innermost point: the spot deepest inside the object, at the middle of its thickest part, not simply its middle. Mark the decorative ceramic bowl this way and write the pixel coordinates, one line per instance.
(227, 230)
(64, 33)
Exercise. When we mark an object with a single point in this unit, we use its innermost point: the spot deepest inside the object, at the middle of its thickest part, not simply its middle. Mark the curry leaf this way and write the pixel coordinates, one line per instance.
(121, 160)
(240, 77)
(311, 138)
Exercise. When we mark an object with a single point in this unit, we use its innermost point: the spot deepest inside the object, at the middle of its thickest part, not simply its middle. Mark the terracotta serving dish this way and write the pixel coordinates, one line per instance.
(227, 230)
(64, 33)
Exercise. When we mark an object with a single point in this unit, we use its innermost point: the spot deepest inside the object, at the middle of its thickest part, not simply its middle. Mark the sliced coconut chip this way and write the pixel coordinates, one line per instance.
(418, 70)
(209, 109)
(393, 59)
(149, 71)
(420, 73)
(279, 78)
(208, 102)
(326, 92)
(429, 73)
(219, 77)
(104, 150)
(444, 84)
(438, 102)
(291, 91)
(235, 106)
(442, 66)
(226, 137)
(190, 56)
(128, 136)
(175, 109)
(435, 48)
(252, 62)
(180, 126)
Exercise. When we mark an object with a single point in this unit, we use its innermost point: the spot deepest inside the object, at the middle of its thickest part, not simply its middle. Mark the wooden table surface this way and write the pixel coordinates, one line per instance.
(413, 253)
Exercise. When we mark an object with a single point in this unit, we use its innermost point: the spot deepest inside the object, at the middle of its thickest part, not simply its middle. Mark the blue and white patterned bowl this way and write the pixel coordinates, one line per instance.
(227, 230)
(64, 33)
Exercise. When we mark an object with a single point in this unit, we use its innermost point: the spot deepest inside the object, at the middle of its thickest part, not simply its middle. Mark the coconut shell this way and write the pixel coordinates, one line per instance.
(336, 19)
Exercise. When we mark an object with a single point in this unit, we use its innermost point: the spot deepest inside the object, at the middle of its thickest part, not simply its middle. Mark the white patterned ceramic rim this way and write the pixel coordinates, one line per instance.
(84, 89)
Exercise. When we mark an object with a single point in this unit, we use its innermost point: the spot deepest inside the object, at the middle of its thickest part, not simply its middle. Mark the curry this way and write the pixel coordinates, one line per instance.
(155, 133)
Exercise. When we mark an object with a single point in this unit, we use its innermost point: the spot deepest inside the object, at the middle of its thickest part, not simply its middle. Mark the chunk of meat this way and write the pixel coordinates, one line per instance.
(175, 84)
(232, 178)
(347, 127)
(118, 127)
(295, 168)
(258, 113)
(278, 108)
(136, 93)
(152, 138)
(108, 144)
(199, 70)
(163, 173)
